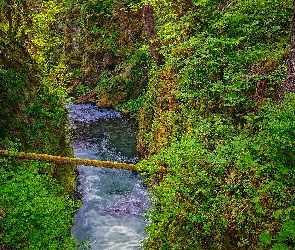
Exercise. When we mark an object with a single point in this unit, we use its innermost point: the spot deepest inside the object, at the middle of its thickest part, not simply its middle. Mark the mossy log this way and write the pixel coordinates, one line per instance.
(68, 160)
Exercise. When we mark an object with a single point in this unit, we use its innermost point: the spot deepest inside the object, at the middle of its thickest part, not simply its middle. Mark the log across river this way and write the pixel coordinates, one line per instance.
(114, 199)
(68, 160)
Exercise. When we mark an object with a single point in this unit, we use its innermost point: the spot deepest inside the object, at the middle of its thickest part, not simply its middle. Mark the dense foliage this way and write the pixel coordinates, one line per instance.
(36, 210)
(35, 214)
(238, 195)
(209, 111)
(212, 121)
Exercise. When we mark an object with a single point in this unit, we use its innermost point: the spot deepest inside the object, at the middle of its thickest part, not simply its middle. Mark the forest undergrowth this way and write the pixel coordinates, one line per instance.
(205, 80)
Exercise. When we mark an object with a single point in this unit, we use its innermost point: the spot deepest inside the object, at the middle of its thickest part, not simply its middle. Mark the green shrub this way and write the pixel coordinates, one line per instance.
(236, 195)
(35, 214)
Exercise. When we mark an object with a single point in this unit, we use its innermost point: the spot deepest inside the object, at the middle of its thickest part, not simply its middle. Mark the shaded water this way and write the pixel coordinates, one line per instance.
(113, 200)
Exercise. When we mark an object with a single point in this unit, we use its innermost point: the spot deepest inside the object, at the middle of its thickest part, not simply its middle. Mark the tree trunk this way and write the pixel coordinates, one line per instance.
(151, 32)
(9, 17)
(289, 82)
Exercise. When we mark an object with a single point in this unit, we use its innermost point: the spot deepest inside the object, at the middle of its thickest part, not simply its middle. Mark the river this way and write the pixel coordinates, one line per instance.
(114, 201)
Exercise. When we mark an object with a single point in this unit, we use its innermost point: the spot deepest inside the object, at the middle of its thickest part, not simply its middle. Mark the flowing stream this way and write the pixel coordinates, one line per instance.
(113, 200)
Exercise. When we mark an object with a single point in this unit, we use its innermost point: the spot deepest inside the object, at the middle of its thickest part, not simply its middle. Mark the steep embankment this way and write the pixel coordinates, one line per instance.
(35, 204)
(211, 119)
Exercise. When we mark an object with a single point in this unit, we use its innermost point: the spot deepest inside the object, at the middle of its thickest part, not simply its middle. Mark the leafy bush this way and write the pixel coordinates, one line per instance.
(133, 105)
(237, 195)
(228, 169)
(34, 212)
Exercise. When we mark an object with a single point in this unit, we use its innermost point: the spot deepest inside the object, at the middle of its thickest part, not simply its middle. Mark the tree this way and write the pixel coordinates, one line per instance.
(151, 32)
(289, 82)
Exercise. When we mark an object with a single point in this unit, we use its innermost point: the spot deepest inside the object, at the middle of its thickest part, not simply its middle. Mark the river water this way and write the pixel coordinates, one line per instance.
(114, 201)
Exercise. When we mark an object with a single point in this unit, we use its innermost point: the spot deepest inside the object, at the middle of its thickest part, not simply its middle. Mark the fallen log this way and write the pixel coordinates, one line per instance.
(68, 160)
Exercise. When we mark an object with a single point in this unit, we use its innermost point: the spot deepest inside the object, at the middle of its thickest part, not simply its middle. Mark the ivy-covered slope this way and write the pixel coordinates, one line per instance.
(211, 119)
(36, 208)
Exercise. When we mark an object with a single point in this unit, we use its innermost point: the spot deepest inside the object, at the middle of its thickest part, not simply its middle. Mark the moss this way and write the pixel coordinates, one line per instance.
(67, 160)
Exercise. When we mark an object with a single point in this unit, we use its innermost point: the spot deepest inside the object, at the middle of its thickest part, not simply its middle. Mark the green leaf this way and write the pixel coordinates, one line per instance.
(265, 238)
(280, 247)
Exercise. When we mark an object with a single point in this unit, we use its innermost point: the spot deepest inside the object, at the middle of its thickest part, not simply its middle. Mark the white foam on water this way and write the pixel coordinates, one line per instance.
(116, 237)
(90, 112)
